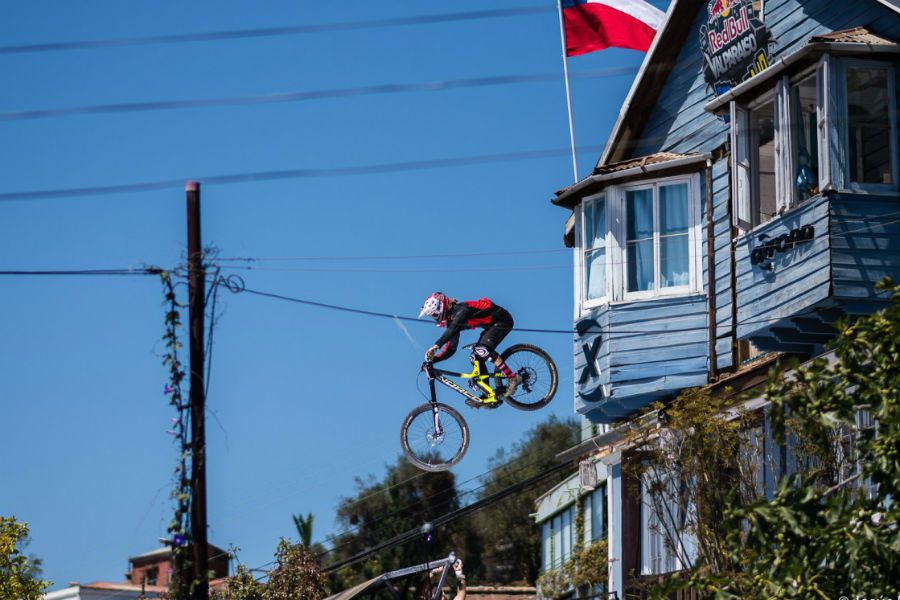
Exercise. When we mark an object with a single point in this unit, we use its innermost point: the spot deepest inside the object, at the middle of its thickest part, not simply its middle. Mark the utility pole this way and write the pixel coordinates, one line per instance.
(196, 308)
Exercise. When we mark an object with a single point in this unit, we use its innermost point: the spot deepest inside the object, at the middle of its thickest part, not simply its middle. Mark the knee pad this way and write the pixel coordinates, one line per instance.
(480, 352)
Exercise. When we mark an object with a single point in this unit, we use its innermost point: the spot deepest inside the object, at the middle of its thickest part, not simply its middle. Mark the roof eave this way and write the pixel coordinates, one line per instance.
(572, 196)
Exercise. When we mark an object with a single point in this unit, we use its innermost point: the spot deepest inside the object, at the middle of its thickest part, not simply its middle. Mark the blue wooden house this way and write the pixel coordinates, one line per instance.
(746, 200)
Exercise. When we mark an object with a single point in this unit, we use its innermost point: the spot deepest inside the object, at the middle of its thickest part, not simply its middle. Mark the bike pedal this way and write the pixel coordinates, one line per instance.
(491, 405)
(473, 404)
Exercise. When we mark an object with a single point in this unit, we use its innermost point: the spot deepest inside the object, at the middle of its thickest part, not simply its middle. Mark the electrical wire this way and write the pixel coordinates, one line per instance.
(297, 173)
(89, 272)
(253, 259)
(310, 95)
(260, 32)
(449, 517)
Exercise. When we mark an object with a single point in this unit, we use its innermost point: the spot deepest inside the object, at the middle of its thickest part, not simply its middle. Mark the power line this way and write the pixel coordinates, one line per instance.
(88, 272)
(449, 517)
(236, 34)
(280, 174)
(400, 270)
(305, 96)
(252, 259)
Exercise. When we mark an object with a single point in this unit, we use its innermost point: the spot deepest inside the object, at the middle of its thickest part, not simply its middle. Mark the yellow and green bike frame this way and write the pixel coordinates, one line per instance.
(482, 380)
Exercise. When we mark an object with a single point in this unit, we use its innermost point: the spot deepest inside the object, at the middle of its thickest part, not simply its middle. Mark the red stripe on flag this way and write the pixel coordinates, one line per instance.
(593, 26)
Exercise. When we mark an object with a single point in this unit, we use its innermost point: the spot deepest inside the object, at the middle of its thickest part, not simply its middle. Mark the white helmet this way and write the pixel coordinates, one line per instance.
(436, 306)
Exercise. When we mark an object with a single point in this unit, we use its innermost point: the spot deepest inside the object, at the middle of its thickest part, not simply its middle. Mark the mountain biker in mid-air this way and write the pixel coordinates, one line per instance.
(456, 316)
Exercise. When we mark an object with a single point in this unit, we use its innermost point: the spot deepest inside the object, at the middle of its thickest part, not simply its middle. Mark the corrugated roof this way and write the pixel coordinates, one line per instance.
(641, 161)
(856, 35)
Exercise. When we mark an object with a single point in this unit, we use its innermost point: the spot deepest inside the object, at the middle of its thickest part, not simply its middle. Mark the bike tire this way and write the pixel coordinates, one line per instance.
(539, 376)
(426, 451)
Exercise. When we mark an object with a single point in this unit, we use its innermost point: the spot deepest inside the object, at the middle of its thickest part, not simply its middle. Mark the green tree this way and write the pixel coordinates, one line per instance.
(831, 528)
(304, 528)
(507, 534)
(296, 575)
(403, 500)
(20, 577)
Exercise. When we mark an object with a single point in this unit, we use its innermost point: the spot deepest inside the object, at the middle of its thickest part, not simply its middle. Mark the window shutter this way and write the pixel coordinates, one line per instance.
(740, 167)
(783, 148)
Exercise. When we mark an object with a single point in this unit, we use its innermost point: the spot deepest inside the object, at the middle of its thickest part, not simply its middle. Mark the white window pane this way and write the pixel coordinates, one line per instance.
(673, 231)
(557, 541)
(588, 225)
(640, 266)
(675, 259)
(640, 214)
(804, 137)
(595, 249)
(598, 506)
(595, 273)
(763, 123)
(546, 533)
(566, 536)
(639, 240)
(673, 209)
(599, 239)
(868, 112)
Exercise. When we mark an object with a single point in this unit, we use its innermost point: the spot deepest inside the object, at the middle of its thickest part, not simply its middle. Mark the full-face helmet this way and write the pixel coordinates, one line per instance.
(436, 306)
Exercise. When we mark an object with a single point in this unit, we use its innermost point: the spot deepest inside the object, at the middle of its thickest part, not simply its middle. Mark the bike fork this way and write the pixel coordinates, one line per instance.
(435, 412)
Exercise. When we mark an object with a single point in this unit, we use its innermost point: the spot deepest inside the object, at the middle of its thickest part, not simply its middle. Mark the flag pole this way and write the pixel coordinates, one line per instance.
(562, 37)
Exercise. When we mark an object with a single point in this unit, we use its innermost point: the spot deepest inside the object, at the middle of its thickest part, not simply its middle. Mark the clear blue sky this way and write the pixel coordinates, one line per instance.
(306, 399)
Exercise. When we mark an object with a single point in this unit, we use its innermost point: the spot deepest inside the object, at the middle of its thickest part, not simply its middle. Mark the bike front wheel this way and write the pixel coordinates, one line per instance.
(434, 437)
(538, 373)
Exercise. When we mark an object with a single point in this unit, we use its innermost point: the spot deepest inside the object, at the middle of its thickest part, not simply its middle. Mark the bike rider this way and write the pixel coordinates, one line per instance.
(456, 316)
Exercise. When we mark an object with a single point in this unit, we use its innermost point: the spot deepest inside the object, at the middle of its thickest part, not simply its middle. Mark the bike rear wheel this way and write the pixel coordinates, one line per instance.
(434, 437)
(538, 373)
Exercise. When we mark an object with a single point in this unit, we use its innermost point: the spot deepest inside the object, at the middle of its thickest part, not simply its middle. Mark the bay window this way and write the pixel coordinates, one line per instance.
(832, 126)
(641, 240)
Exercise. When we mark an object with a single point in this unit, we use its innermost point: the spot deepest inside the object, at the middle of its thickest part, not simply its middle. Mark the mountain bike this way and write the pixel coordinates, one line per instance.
(435, 436)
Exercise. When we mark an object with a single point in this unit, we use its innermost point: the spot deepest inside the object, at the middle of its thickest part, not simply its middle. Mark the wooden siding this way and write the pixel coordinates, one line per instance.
(799, 278)
(649, 350)
(721, 197)
(678, 123)
(865, 244)
(792, 306)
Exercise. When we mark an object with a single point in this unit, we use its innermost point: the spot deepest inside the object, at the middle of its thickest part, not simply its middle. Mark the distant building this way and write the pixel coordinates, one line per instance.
(148, 576)
(746, 200)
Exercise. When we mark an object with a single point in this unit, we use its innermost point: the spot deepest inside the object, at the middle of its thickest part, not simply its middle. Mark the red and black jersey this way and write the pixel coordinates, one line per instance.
(469, 315)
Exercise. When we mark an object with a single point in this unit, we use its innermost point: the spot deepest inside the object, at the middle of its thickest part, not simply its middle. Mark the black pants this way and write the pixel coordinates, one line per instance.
(486, 346)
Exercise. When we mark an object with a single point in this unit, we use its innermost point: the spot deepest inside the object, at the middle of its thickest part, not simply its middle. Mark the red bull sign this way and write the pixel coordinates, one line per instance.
(734, 42)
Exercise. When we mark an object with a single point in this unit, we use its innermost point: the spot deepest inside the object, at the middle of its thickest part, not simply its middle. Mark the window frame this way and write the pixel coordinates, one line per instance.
(844, 120)
(587, 303)
(615, 198)
(694, 250)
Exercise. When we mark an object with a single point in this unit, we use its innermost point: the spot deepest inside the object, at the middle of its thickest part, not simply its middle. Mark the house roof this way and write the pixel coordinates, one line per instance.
(856, 35)
(625, 169)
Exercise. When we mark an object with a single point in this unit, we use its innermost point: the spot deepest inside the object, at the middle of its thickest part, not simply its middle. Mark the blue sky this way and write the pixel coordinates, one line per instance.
(305, 399)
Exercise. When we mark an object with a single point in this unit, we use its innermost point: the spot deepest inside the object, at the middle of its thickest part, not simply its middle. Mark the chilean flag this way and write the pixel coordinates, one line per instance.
(597, 24)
